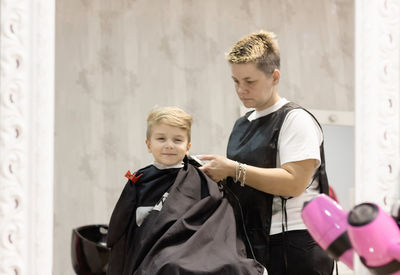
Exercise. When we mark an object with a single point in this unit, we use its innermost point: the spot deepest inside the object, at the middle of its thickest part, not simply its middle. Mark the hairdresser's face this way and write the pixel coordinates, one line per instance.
(168, 144)
(254, 88)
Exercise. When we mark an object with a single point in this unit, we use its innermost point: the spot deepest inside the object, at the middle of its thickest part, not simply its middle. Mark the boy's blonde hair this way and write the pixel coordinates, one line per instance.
(260, 48)
(172, 116)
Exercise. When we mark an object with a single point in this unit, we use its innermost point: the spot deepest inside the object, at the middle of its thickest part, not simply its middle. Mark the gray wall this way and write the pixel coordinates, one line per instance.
(117, 59)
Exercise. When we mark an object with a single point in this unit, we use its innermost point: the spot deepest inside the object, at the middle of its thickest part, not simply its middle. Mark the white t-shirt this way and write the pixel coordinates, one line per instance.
(299, 139)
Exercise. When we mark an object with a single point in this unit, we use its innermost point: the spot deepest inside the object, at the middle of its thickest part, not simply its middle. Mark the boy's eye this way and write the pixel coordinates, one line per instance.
(178, 140)
(160, 138)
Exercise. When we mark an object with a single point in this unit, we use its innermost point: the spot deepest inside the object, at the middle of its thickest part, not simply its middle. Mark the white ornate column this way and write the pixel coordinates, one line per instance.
(377, 103)
(26, 136)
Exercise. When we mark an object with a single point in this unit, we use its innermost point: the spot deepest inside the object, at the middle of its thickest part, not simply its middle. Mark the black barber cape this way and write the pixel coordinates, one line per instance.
(192, 232)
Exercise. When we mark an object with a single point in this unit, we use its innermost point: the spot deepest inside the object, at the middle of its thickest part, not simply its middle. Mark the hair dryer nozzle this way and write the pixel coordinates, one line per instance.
(326, 221)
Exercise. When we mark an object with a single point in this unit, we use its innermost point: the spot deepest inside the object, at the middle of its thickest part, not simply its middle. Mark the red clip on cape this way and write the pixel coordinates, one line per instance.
(133, 178)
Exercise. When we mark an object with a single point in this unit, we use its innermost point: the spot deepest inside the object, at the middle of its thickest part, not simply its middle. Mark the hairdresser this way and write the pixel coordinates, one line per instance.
(274, 162)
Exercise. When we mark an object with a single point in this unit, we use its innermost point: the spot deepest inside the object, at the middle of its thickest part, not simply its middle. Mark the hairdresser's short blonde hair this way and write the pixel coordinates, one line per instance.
(172, 116)
(260, 48)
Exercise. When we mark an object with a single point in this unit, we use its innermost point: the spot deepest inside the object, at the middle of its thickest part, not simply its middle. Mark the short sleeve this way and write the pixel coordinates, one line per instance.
(300, 138)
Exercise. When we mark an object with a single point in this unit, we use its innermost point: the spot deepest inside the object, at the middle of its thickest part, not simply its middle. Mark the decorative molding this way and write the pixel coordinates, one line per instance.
(377, 103)
(377, 108)
(13, 137)
(26, 136)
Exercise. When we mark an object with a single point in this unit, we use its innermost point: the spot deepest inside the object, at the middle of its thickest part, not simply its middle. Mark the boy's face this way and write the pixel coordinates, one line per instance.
(168, 144)
(254, 88)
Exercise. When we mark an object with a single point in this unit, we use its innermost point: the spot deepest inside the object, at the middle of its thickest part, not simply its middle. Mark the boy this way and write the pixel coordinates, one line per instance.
(168, 140)
(191, 232)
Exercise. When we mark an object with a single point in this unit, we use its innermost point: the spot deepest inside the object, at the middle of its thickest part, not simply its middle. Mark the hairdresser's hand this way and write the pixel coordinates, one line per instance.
(217, 168)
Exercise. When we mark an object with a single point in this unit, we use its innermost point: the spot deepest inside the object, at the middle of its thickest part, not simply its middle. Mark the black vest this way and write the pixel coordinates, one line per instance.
(255, 143)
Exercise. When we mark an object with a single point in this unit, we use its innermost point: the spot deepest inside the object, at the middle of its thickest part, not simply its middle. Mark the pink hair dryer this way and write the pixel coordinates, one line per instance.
(375, 236)
(326, 222)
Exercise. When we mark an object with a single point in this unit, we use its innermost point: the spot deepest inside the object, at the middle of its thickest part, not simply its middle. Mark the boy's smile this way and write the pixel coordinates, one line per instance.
(168, 144)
